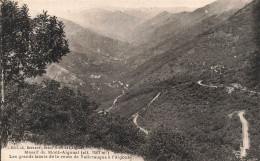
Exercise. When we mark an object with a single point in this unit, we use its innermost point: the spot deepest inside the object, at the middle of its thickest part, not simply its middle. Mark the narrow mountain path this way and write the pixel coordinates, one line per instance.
(115, 101)
(250, 91)
(139, 127)
(155, 98)
(135, 116)
(205, 85)
(229, 89)
(245, 134)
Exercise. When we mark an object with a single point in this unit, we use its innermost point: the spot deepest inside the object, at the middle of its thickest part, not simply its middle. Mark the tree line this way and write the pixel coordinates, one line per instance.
(28, 45)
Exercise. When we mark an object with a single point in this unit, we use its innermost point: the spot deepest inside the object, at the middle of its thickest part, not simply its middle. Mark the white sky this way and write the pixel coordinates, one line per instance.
(56, 5)
(69, 8)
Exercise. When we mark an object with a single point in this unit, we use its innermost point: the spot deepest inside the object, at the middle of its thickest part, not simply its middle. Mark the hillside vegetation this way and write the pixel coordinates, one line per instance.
(223, 55)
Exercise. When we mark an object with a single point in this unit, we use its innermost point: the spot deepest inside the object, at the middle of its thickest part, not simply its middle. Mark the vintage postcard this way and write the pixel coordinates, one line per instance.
(130, 80)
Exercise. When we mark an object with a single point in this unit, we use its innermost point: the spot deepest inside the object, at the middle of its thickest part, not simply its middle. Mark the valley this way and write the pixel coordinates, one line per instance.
(171, 54)
(160, 83)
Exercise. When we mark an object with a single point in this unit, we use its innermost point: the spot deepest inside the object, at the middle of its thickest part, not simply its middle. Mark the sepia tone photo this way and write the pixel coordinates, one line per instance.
(130, 80)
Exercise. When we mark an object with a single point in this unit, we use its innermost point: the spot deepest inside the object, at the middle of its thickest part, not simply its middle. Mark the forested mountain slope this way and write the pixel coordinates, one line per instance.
(223, 58)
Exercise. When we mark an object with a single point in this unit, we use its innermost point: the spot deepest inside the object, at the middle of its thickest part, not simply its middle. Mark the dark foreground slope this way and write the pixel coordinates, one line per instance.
(223, 56)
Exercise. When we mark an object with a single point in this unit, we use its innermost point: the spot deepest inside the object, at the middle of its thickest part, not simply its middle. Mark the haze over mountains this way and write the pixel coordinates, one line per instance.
(165, 25)
(145, 54)
(117, 23)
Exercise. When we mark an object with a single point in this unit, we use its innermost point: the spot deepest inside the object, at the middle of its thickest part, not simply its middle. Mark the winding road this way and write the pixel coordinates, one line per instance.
(245, 135)
(137, 115)
(155, 98)
(205, 85)
(115, 101)
(229, 89)
(139, 127)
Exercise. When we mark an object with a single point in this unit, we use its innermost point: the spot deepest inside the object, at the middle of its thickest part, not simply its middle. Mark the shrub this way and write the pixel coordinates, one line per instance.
(167, 144)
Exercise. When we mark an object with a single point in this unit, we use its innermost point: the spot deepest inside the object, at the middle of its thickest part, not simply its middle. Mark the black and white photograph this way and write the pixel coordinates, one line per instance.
(130, 80)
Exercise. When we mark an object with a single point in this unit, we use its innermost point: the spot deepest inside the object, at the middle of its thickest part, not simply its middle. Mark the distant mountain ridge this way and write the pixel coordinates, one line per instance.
(167, 31)
(202, 42)
(83, 40)
(116, 23)
(113, 24)
(179, 21)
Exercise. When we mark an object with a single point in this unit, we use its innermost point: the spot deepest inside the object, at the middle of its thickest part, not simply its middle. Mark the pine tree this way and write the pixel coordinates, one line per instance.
(27, 45)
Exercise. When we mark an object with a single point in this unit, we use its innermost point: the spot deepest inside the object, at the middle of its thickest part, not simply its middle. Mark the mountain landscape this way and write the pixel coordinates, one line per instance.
(167, 72)
(93, 64)
(115, 22)
(168, 31)
(222, 55)
(165, 24)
